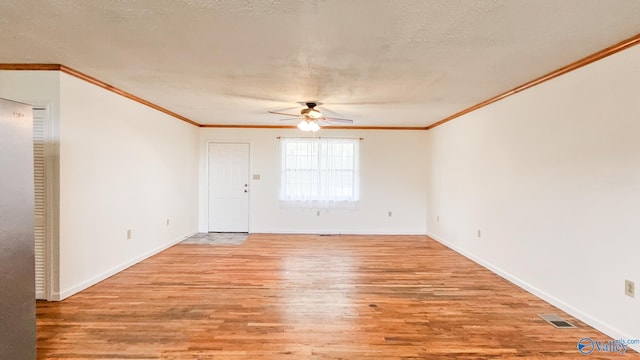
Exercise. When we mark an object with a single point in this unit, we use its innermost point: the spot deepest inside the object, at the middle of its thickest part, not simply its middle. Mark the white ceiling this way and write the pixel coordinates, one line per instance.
(381, 63)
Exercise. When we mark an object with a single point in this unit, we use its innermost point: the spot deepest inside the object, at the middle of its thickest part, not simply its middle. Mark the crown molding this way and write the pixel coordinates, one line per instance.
(613, 49)
(31, 67)
(90, 79)
(328, 127)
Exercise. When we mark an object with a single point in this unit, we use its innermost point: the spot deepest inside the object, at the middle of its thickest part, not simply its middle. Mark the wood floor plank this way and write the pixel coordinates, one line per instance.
(307, 297)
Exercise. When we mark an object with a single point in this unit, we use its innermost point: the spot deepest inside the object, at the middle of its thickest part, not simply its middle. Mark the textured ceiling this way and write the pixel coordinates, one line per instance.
(381, 63)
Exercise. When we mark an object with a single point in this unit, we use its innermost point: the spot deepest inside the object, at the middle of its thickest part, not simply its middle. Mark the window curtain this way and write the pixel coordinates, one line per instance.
(319, 173)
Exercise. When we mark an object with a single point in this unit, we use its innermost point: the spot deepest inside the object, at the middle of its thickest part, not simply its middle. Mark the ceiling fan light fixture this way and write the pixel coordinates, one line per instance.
(304, 125)
(314, 114)
(308, 125)
(310, 118)
(313, 126)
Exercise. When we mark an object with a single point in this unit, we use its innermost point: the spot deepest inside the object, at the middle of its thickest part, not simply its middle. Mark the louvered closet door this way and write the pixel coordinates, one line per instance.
(39, 115)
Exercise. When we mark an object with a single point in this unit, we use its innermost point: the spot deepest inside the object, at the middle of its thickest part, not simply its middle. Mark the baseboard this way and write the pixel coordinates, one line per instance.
(590, 320)
(332, 232)
(96, 279)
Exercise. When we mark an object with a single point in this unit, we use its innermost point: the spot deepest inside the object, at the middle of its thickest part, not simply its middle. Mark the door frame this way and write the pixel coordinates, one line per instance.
(208, 162)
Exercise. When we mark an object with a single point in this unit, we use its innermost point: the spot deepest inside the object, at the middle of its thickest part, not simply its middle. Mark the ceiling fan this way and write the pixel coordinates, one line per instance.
(311, 118)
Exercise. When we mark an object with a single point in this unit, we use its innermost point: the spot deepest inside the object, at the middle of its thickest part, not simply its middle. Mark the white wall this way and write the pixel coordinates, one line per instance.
(122, 166)
(37, 88)
(392, 179)
(551, 176)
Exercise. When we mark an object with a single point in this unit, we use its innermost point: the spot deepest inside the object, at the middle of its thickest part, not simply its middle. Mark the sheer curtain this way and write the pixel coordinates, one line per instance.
(319, 172)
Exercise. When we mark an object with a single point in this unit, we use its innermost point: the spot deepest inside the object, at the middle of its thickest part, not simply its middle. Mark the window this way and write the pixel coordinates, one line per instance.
(319, 173)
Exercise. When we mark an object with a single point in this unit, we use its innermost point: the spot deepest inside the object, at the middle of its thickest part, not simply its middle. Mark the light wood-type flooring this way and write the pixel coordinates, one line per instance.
(307, 297)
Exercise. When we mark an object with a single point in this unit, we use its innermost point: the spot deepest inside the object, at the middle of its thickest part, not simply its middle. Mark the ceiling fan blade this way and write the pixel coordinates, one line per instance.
(292, 118)
(337, 120)
(279, 113)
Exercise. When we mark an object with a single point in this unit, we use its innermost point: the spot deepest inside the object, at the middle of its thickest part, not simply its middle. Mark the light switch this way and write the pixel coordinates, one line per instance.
(256, 176)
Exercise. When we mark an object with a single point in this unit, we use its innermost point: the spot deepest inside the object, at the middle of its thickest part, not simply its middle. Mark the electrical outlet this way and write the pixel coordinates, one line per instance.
(128, 234)
(479, 233)
(629, 288)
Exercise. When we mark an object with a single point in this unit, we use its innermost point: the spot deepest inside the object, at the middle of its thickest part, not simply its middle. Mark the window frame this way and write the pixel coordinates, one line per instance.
(319, 180)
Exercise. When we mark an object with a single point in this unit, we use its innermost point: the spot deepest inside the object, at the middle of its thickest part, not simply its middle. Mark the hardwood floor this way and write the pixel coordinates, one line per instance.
(307, 297)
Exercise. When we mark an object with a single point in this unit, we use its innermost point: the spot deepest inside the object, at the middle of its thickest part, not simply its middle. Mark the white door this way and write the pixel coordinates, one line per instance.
(228, 187)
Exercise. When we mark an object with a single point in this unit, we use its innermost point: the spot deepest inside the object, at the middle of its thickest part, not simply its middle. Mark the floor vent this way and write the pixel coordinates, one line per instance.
(556, 321)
